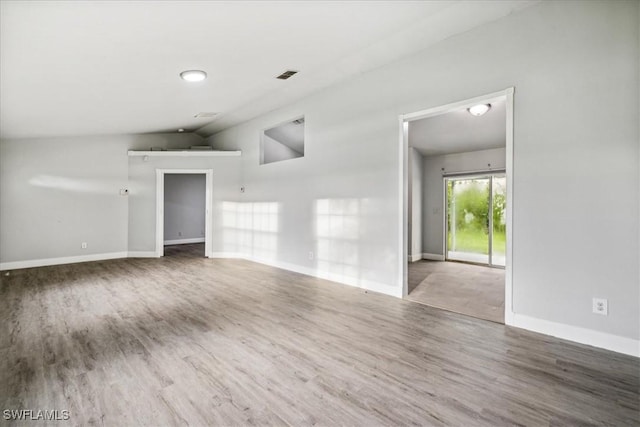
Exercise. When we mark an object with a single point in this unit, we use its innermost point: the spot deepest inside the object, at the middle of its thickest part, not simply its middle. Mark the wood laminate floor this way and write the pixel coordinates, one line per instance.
(191, 250)
(195, 341)
(474, 290)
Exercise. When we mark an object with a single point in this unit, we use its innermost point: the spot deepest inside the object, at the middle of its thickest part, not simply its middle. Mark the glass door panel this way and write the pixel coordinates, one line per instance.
(499, 228)
(468, 202)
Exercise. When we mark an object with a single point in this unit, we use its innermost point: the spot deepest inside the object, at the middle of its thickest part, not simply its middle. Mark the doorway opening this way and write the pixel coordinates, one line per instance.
(183, 212)
(457, 206)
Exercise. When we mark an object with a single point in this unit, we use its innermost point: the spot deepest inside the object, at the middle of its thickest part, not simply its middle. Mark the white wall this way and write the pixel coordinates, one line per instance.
(184, 207)
(574, 66)
(142, 198)
(416, 183)
(334, 202)
(56, 193)
(433, 202)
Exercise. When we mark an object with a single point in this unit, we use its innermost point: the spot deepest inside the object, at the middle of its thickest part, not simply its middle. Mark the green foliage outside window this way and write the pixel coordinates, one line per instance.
(470, 209)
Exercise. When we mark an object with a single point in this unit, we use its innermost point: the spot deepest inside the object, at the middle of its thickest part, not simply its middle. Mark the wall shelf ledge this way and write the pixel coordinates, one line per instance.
(185, 153)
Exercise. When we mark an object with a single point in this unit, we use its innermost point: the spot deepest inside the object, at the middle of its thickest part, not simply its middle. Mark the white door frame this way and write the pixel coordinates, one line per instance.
(160, 173)
(404, 120)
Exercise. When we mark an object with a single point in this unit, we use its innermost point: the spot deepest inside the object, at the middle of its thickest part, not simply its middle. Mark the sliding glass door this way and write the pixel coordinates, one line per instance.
(498, 220)
(476, 219)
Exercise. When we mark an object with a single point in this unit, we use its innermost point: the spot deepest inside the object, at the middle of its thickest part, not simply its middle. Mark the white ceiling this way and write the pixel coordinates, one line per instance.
(459, 132)
(111, 67)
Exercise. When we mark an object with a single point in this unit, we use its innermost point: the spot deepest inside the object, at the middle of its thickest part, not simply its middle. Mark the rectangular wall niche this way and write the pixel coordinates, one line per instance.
(282, 142)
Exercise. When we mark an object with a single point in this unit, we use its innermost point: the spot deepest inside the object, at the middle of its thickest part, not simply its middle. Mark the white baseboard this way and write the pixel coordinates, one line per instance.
(226, 255)
(577, 334)
(414, 258)
(433, 257)
(368, 285)
(62, 260)
(184, 241)
(142, 254)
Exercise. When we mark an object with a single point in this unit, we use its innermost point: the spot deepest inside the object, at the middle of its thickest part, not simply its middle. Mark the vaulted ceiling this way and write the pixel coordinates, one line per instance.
(112, 67)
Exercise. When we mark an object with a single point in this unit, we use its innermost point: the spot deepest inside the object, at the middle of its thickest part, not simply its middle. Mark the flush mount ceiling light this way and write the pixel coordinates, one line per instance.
(193, 75)
(479, 110)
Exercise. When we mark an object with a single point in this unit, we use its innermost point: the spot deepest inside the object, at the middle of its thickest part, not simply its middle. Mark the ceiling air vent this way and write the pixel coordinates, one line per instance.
(205, 115)
(286, 75)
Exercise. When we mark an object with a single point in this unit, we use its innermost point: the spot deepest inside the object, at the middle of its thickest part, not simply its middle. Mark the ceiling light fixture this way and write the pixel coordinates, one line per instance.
(479, 110)
(193, 75)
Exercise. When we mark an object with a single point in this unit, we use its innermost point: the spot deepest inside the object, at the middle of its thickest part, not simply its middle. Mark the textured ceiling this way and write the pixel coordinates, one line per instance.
(111, 67)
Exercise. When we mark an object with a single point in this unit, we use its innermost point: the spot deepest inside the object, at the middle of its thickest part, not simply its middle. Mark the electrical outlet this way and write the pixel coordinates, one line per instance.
(600, 306)
(310, 255)
(84, 245)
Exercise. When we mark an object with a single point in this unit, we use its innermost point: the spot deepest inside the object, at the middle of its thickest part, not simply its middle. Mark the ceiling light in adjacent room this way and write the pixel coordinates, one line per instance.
(193, 75)
(479, 110)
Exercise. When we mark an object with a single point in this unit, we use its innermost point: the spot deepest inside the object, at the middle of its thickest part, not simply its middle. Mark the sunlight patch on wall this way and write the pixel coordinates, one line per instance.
(75, 185)
(338, 232)
(251, 228)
